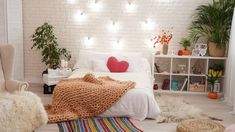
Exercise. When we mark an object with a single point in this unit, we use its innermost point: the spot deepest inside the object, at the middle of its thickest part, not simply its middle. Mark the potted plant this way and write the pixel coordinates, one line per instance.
(213, 76)
(45, 40)
(213, 22)
(185, 43)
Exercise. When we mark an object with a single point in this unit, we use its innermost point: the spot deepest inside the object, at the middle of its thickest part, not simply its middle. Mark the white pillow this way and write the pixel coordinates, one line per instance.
(100, 66)
(86, 57)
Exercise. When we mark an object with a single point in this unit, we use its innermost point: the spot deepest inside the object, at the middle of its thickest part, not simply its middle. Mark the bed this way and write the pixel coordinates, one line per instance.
(138, 103)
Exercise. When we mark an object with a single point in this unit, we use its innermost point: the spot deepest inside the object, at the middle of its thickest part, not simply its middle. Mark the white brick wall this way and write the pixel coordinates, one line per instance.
(15, 35)
(71, 33)
(11, 31)
(3, 29)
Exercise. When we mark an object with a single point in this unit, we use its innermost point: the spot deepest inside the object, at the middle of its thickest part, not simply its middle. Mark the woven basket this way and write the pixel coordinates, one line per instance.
(215, 51)
(197, 87)
(199, 125)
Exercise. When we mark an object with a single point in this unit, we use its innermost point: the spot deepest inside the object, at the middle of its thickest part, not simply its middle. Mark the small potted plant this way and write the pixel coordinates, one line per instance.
(45, 40)
(185, 43)
(213, 76)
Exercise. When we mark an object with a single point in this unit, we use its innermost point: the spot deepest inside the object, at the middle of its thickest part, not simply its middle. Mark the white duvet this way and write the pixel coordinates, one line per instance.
(138, 103)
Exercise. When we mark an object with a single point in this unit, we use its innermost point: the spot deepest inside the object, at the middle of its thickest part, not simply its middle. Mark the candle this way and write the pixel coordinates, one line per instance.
(65, 64)
(62, 63)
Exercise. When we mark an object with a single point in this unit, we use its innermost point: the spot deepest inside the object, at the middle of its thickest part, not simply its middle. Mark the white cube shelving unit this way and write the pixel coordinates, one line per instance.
(169, 64)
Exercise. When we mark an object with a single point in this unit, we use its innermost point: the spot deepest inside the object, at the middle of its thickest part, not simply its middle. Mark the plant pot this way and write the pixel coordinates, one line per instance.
(212, 95)
(164, 49)
(186, 52)
(216, 51)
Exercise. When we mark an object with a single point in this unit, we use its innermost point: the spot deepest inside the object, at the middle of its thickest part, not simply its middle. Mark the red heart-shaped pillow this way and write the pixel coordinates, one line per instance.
(117, 66)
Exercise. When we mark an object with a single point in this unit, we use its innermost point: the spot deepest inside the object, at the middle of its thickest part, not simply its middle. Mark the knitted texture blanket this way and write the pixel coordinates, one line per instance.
(85, 97)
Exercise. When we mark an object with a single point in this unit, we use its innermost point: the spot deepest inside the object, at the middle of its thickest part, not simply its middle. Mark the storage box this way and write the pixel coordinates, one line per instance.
(197, 87)
(52, 80)
(48, 89)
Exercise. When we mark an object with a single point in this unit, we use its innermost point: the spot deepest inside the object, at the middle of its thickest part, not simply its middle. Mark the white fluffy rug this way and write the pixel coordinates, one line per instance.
(21, 112)
(175, 109)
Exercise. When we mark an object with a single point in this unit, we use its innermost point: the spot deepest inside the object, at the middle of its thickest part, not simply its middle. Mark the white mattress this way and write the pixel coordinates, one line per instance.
(138, 103)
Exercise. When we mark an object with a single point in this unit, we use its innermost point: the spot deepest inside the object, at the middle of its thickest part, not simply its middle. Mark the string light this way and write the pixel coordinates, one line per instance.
(130, 7)
(79, 16)
(148, 25)
(96, 6)
(114, 27)
(117, 45)
(88, 41)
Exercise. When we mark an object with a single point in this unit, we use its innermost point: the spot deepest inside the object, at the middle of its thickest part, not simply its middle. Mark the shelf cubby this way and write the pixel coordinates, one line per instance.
(179, 80)
(195, 69)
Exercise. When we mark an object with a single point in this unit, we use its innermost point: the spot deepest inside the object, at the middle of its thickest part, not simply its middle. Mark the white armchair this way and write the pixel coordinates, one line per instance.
(20, 110)
(6, 70)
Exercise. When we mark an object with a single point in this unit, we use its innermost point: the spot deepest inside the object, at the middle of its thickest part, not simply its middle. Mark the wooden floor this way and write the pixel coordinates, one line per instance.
(215, 108)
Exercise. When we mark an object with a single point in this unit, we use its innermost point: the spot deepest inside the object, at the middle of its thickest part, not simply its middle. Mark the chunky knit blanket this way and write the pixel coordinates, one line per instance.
(85, 97)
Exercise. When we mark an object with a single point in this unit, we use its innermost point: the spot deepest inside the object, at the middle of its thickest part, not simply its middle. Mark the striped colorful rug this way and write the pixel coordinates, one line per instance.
(99, 124)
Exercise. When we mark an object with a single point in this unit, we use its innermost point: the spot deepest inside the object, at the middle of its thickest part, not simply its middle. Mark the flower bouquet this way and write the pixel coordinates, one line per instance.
(213, 76)
(163, 39)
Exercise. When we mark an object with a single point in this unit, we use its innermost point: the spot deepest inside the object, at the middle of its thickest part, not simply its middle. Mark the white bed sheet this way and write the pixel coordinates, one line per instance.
(138, 103)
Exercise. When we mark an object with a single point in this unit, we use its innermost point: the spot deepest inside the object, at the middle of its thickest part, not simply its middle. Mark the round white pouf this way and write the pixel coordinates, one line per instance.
(199, 125)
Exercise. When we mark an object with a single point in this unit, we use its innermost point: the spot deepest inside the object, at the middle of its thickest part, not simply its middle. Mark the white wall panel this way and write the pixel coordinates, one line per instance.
(11, 31)
(15, 35)
(3, 29)
(71, 32)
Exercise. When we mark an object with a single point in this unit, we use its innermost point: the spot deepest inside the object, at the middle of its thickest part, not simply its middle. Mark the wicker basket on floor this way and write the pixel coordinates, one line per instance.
(199, 125)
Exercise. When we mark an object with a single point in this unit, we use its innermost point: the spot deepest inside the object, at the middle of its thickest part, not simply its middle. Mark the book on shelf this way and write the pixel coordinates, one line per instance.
(185, 82)
(157, 67)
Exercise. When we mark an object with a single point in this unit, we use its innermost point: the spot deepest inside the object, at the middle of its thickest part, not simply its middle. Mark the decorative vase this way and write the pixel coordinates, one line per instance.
(164, 49)
(216, 51)
(212, 95)
(186, 52)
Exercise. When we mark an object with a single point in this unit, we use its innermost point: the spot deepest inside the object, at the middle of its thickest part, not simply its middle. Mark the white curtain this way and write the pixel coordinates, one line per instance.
(230, 69)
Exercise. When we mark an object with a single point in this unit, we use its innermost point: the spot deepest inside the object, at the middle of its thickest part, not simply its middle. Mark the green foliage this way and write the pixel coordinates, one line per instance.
(217, 67)
(185, 43)
(213, 21)
(45, 40)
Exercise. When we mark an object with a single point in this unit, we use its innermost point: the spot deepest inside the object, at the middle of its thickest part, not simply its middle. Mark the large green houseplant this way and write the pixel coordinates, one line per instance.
(213, 22)
(45, 40)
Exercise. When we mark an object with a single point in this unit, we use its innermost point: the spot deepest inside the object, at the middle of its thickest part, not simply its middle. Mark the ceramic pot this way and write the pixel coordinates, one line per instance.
(212, 95)
(186, 52)
(216, 51)
(164, 49)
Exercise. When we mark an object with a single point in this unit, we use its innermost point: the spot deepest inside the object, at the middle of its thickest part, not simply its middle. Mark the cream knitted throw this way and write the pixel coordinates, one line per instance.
(85, 97)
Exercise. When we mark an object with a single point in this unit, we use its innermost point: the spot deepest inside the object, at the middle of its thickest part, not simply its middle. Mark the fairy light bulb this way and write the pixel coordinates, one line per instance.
(130, 7)
(96, 6)
(148, 25)
(79, 16)
(117, 45)
(114, 27)
(88, 41)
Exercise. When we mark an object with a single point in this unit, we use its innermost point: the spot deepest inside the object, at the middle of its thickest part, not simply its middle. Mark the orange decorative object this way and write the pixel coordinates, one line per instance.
(212, 95)
(186, 52)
